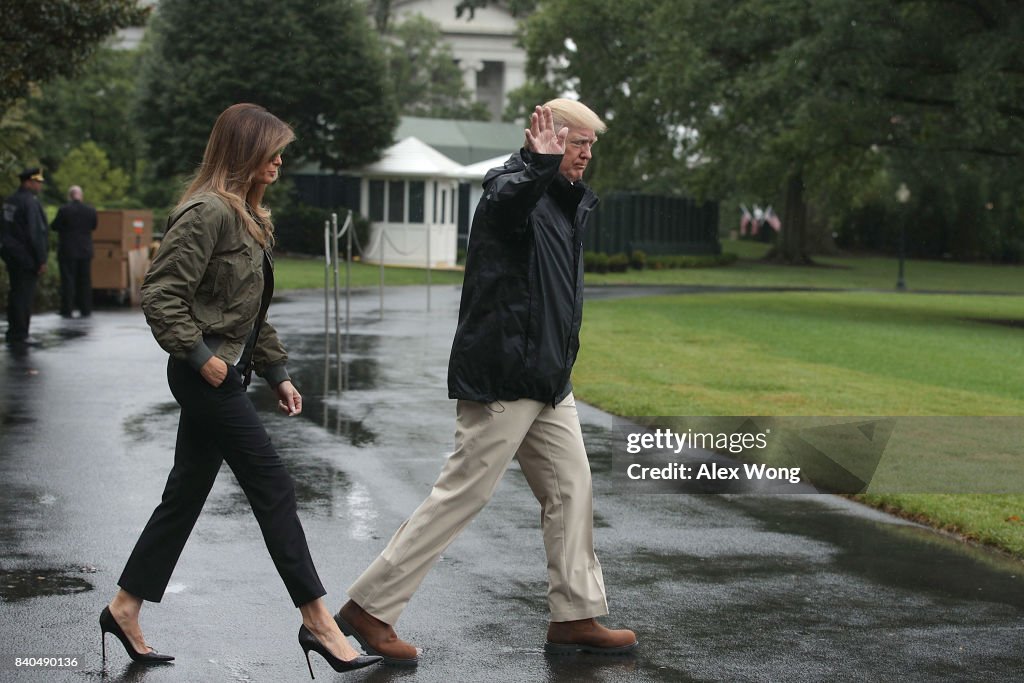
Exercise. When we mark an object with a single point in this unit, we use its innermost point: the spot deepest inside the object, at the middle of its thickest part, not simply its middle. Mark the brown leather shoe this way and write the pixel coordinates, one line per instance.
(376, 637)
(586, 635)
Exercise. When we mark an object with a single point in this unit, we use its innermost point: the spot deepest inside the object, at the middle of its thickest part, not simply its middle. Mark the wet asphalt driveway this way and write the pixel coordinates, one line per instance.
(718, 588)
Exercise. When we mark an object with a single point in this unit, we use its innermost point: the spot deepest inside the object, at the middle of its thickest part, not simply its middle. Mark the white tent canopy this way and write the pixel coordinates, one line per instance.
(476, 172)
(412, 158)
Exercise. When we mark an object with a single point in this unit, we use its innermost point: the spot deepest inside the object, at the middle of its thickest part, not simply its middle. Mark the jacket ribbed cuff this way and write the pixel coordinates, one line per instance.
(275, 374)
(198, 356)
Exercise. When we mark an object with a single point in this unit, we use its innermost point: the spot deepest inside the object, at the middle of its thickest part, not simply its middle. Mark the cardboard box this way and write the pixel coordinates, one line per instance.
(129, 229)
(109, 266)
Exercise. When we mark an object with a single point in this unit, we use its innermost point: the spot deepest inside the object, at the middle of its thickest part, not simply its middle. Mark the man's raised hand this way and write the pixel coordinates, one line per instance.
(541, 136)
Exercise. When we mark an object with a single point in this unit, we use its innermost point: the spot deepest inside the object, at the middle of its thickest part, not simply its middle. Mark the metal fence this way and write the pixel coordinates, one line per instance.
(627, 221)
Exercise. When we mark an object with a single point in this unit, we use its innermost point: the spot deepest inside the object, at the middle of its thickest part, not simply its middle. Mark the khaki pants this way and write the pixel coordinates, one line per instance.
(549, 445)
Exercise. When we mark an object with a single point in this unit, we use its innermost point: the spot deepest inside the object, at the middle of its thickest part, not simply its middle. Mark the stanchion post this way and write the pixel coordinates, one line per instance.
(428, 267)
(383, 240)
(348, 273)
(337, 305)
(327, 308)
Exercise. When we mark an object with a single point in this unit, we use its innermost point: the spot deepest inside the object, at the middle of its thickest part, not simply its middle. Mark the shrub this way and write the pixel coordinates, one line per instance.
(618, 263)
(637, 260)
(672, 261)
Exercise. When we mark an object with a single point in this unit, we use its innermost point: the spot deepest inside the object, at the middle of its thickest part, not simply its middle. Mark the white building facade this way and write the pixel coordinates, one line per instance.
(485, 47)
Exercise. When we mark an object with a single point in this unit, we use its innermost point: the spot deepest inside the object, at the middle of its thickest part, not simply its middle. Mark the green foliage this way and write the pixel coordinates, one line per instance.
(597, 262)
(618, 263)
(637, 260)
(94, 105)
(319, 66)
(607, 51)
(299, 227)
(87, 165)
(49, 38)
(18, 140)
(423, 73)
(673, 261)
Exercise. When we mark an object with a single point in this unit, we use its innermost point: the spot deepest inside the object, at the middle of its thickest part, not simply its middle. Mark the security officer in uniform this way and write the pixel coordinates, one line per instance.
(23, 247)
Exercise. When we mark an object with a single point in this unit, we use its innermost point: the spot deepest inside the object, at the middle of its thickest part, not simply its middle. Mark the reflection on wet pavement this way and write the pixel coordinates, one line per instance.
(15, 419)
(360, 513)
(21, 584)
(154, 422)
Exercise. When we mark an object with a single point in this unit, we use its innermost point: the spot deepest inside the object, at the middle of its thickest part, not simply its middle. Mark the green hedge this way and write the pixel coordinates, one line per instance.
(596, 262)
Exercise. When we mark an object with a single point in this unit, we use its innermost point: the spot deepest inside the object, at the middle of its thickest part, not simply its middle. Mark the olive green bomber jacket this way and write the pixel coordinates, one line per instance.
(206, 280)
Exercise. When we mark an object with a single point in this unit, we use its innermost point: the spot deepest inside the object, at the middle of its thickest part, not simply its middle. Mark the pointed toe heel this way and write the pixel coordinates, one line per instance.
(308, 641)
(109, 625)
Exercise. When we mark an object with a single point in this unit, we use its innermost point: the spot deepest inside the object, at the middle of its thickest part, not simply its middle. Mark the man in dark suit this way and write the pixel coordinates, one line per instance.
(74, 224)
(23, 247)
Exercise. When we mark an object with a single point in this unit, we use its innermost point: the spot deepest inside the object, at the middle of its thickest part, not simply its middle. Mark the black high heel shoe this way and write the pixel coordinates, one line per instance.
(308, 641)
(109, 625)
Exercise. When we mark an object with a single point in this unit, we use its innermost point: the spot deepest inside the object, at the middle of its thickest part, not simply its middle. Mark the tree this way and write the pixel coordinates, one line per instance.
(49, 38)
(318, 66)
(423, 73)
(18, 140)
(88, 166)
(614, 56)
(789, 98)
(94, 105)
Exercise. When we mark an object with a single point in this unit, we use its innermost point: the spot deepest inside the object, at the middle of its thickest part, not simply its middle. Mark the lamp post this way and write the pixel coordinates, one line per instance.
(902, 196)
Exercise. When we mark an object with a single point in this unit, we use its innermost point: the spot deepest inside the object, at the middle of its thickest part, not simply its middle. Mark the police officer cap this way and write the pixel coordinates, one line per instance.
(34, 173)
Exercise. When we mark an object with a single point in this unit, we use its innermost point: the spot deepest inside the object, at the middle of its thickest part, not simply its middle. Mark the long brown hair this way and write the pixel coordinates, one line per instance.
(244, 138)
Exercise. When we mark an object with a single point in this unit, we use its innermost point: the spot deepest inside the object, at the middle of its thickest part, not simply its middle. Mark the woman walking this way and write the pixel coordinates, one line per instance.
(205, 298)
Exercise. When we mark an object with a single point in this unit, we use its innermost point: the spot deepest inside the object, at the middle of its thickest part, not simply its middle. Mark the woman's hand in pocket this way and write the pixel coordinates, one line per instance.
(214, 371)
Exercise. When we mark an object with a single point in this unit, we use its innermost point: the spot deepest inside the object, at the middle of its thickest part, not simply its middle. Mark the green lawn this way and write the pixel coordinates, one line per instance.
(831, 354)
(850, 272)
(292, 272)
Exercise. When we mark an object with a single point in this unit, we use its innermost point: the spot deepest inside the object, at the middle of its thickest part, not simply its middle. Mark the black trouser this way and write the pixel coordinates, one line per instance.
(220, 424)
(19, 300)
(75, 285)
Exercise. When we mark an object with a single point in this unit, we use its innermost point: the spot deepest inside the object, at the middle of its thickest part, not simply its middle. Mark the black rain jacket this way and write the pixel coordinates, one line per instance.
(24, 235)
(522, 298)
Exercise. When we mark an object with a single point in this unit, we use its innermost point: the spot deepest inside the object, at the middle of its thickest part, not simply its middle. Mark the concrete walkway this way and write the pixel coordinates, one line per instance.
(719, 588)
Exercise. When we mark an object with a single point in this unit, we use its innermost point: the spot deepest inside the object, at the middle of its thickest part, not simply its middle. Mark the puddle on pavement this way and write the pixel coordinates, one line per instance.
(898, 555)
(359, 371)
(598, 442)
(63, 333)
(22, 584)
(154, 423)
(15, 419)
(319, 487)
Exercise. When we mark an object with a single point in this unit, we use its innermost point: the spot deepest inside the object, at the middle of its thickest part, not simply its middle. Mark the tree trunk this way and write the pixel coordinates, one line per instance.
(790, 247)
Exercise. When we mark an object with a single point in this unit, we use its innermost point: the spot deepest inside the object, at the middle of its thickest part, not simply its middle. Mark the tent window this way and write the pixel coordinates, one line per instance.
(396, 201)
(417, 199)
(376, 200)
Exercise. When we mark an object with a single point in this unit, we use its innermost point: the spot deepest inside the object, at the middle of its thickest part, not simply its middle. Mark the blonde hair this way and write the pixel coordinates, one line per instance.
(566, 112)
(244, 138)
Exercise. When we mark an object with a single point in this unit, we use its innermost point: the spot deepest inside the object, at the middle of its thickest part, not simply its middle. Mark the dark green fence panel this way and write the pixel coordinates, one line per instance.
(626, 221)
